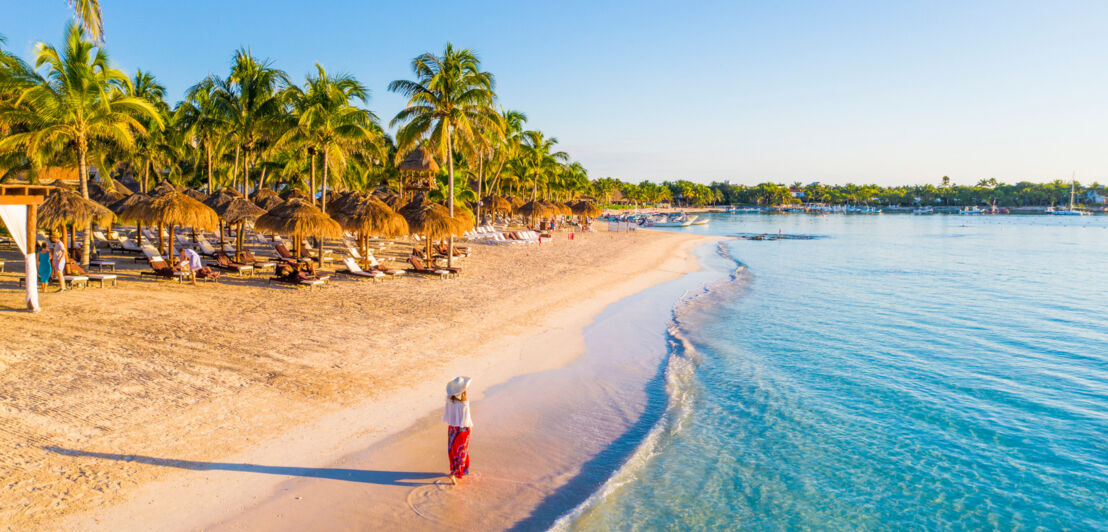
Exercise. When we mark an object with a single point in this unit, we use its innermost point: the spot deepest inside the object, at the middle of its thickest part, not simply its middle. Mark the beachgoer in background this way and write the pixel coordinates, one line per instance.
(44, 267)
(459, 424)
(191, 263)
(58, 258)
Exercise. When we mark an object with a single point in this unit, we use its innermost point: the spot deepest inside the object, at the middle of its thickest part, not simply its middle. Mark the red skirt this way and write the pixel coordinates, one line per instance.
(458, 451)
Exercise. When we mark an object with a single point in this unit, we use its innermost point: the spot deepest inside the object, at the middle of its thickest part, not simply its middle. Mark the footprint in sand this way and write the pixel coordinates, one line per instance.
(442, 502)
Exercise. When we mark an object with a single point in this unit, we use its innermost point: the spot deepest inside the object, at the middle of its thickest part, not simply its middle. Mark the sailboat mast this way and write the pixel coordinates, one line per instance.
(1073, 179)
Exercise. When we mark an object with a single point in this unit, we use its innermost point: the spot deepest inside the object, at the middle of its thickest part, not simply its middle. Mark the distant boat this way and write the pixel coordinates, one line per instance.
(1071, 210)
(673, 220)
(924, 210)
(700, 220)
(971, 210)
(743, 209)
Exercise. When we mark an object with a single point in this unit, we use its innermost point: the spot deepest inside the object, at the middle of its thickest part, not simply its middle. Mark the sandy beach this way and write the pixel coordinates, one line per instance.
(180, 407)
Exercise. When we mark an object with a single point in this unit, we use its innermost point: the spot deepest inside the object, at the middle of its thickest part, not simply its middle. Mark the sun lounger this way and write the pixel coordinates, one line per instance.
(224, 262)
(126, 244)
(249, 257)
(418, 267)
(206, 247)
(283, 253)
(80, 272)
(161, 269)
(376, 266)
(353, 270)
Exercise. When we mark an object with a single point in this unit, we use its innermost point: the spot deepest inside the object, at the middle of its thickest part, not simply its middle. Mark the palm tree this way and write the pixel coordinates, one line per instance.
(450, 98)
(88, 12)
(328, 124)
(78, 101)
(251, 101)
(539, 160)
(200, 118)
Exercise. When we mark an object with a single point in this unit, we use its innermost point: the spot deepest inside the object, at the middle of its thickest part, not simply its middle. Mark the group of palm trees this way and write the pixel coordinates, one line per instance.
(257, 129)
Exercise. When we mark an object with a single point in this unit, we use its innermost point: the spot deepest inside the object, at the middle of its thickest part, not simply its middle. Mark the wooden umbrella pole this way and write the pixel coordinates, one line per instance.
(161, 238)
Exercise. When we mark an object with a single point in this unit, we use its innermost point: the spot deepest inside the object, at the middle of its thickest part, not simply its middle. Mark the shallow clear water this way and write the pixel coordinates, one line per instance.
(897, 372)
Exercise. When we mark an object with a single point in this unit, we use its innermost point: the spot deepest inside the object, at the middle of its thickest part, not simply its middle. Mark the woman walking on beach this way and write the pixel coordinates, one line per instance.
(459, 424)
(58, 256)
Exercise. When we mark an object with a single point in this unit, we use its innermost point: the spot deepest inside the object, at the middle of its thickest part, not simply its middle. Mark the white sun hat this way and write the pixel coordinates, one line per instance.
(457, 386)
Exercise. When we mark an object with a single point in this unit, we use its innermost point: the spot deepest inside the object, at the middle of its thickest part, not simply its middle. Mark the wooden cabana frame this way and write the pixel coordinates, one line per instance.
(30, 196)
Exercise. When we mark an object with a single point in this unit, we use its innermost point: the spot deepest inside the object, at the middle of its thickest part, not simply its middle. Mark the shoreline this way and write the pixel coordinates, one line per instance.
(214, 492)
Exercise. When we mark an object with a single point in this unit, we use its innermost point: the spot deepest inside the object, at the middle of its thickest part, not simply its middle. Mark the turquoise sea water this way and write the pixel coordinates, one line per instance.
(897, 372)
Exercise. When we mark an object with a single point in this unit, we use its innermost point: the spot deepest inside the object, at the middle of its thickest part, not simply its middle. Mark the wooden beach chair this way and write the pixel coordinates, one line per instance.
(102, 278)
(418, 267)
(223, 262)
(353, 270)
(162, 269)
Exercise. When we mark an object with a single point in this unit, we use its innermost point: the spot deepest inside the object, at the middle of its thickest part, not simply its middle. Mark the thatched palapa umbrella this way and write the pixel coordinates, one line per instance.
(173, 208)
(264, 195)
(195, 194)
(218, 202)
(433, 221)
(535, 209)
(237, 212)
(63, 207)
(297, 217)
(121, 207)
(496, 204)
(371, 216)
(586, 209)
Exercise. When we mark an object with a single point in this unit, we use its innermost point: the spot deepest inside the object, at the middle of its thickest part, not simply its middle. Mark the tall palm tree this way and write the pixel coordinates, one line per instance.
(251, 101)
(450, 98)
(539, 160)
(201, 120)
(327, 122)
(88, 13)
(78, 101)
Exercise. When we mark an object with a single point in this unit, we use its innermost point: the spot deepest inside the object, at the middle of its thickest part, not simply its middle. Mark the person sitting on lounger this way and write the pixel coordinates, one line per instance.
(191, 263)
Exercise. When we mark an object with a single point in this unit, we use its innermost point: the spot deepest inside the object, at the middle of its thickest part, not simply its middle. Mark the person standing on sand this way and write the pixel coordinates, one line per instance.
(456, 416)
(58, 255)
(44, 268)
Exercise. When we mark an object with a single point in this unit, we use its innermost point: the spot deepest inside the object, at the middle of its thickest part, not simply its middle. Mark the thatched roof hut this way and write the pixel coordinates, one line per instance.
(270, 202)
(294, 193)
(64, 206)
(420, 161)
(493, 203)
(195, 194)
(535, 209)
(584, 208)
(165, 187)
(298, 217)
(371, 216)
(220, 199)
(263, 195)
(173, 208)
(239, 210)
(432, 221)
(122, 206)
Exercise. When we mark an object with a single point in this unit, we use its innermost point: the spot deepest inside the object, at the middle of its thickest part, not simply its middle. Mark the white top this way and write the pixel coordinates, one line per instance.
(193, 258)
(457, 414)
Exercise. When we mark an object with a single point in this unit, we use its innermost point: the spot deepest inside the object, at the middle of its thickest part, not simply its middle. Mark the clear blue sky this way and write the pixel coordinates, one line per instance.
(884, 92)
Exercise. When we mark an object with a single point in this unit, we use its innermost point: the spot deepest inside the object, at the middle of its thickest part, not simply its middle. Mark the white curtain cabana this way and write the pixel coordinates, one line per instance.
(19, 213)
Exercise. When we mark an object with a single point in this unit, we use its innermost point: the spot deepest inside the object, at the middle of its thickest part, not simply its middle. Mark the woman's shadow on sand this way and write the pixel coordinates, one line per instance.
(386, 478)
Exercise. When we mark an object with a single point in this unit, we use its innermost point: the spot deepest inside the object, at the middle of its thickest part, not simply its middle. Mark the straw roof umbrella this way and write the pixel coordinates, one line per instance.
(165, 187)
(120, 207)
(173, 208)
(371, 216)
(496, 204)
(218, 202)
(64, 206)
(535, 209)
(269, 202)
(464, 219)
(295, 193)
(297, 217)
(584, 208)
(263, 195)
(195, 194)
(433, 221)
(238, 211)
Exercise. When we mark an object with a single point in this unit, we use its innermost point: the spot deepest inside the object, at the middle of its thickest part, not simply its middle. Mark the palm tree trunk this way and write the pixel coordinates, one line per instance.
(161, 240)
(311, 179)
(450, 193)
(322, 204)
(261, 180)
(145, 176)
(245, 173)
(480, 180)
(235, 170)
(82, 153)
(208, 150)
